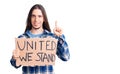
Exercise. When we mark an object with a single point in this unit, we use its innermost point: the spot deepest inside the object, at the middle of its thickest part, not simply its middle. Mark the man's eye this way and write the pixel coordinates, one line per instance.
(33, 15)
(40, 16)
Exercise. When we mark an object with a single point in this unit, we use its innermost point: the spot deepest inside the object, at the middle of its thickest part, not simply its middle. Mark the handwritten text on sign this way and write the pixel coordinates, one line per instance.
(36, 51)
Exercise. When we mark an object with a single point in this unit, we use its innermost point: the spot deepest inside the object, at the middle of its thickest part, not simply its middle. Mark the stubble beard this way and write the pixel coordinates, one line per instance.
(36, 28)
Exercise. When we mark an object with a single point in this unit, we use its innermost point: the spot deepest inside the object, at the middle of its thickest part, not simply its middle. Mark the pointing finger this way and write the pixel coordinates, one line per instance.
(55, 23)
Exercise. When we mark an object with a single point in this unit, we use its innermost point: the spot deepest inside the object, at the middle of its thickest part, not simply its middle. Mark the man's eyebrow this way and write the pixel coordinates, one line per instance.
(33, 14)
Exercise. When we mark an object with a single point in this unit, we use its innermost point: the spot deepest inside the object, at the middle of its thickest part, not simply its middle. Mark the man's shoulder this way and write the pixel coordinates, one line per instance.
(22, 35)
(49, 34)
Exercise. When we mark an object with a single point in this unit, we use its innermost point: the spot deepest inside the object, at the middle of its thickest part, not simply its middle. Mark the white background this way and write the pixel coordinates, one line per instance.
(91, 27)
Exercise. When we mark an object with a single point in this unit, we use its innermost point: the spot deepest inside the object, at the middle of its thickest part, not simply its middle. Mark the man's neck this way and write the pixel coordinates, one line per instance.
(36, 31)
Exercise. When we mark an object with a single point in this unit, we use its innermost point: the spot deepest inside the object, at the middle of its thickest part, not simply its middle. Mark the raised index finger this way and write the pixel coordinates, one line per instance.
(55, 23)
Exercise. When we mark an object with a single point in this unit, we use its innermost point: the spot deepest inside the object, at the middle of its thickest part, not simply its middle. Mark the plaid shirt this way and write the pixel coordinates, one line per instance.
(62, 53)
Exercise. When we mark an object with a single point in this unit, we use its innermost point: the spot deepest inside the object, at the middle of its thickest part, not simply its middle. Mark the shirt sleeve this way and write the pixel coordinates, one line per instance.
(62, 49)
(13, 63)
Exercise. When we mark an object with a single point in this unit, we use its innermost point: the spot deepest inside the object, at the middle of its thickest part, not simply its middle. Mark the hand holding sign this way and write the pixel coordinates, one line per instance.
(15, 54)
(57, 30)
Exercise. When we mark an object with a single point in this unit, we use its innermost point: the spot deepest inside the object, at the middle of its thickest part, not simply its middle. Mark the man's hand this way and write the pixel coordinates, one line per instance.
(57, 30)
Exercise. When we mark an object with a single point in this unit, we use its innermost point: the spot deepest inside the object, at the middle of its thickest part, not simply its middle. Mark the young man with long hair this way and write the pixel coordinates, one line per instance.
(37, 26)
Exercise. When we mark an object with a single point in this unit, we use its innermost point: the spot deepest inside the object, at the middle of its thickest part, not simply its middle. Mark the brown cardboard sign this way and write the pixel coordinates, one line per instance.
(36, 51)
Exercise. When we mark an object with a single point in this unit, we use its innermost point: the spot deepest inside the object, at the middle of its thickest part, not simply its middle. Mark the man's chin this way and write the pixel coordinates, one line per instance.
(36, 28)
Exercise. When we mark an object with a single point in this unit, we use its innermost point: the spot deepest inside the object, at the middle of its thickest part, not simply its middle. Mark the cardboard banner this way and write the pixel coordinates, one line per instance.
(36, 51)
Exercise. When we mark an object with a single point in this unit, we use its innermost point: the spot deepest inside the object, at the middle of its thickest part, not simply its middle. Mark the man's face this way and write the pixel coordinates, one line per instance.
(37, 19)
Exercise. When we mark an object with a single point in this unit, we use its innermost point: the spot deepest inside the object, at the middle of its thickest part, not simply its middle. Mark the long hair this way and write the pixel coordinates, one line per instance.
(45, 23)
